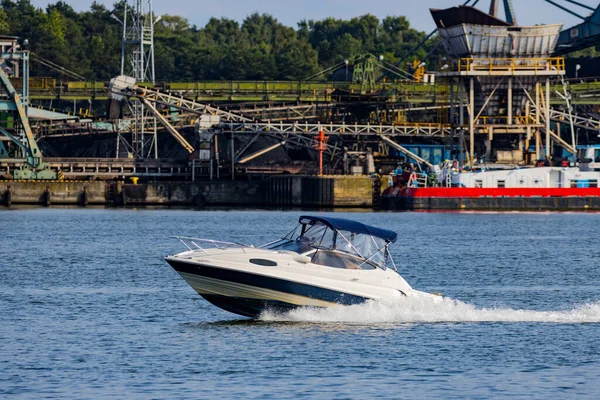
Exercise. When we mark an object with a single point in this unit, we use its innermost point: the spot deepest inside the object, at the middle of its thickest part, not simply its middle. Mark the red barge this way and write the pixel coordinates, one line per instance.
(458, 198)
(536, 188)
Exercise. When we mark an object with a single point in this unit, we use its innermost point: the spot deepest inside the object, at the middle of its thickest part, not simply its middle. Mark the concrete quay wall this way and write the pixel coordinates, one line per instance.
(353, 191)
(47, 193)
(319, 191)
(292, 191)
(228, 193)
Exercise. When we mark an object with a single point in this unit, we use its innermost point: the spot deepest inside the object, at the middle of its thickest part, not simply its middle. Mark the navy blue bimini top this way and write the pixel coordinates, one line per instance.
(352, 226)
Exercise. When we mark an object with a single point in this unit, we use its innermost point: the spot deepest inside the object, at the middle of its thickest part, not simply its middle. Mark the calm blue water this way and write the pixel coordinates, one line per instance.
(89, 309)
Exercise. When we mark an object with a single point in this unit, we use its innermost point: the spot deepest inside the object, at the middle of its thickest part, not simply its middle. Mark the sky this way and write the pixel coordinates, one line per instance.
(198, 12)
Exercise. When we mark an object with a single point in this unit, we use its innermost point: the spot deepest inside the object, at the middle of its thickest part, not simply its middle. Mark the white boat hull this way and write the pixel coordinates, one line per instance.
(226, 278)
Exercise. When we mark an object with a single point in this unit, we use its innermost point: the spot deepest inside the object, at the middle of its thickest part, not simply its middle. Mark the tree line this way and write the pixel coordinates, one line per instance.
(259, 48)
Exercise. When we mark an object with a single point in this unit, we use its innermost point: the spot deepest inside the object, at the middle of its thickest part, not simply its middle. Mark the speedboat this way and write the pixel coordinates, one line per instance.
(323, 262)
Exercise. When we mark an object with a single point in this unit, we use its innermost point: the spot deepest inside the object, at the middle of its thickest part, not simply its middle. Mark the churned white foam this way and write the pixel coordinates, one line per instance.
(433, 310)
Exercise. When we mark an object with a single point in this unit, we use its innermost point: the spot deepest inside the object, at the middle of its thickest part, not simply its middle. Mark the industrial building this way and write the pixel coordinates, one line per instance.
(503, 97)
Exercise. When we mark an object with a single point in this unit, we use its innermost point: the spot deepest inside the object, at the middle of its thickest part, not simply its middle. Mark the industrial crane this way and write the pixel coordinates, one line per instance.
(34, 167)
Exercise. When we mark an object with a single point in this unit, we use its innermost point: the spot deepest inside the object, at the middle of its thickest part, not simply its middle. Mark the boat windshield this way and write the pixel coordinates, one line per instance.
(314, 238)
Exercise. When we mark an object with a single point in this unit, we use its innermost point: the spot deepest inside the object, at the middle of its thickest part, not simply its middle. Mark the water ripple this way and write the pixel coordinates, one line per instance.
(88, 309)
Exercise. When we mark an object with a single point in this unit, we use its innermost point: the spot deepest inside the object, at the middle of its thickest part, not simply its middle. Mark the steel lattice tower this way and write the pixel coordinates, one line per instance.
(137, 60)
(137, 51)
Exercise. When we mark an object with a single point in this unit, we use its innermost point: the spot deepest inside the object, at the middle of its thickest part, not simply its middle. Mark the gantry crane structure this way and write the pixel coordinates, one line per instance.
(26, 155)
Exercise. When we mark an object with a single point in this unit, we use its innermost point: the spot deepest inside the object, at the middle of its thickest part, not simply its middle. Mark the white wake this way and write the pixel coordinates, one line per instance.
(427, 310)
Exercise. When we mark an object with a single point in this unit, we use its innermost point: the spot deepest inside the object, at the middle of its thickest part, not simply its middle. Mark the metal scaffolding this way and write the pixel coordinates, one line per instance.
(501, 78)
(500, 99)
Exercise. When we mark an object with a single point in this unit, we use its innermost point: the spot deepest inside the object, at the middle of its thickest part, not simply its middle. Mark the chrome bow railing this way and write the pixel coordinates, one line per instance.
(203, 244)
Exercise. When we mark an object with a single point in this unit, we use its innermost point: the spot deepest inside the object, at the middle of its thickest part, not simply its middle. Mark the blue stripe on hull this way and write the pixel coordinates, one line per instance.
(248, 307)
(265, 282)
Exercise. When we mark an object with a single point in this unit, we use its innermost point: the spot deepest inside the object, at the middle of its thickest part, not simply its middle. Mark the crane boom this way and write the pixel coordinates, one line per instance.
(125, 87)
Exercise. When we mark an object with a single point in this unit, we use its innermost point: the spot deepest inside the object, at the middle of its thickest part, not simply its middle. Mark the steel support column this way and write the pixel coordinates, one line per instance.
(232, 156)
(462, 106)
(537, 120)
(509, 118)
(471, 121)
(547, 113)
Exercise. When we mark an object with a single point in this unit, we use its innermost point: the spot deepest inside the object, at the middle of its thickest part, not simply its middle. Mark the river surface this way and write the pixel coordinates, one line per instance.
(89, 309)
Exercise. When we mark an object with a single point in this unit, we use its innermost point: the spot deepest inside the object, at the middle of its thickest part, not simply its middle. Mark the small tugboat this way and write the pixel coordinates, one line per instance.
(323, 262)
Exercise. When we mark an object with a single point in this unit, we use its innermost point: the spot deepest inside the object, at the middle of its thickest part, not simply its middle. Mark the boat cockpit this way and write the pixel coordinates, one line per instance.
(339, 243)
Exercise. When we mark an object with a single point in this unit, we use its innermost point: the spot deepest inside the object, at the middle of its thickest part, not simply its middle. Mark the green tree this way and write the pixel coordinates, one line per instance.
(4, 25)
(89, 42)
(55, 26)
(296, 60)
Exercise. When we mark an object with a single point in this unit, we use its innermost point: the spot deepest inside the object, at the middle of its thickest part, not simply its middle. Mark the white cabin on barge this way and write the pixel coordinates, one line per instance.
(539, 177)
(586, 175)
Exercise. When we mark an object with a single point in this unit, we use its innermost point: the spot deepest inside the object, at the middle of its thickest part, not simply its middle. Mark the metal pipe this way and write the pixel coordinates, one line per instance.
(123, 40)
(25, 93)
(155, 139)
(240, 152)
(567, 100)
(511, 17)
(260, 152)
(510, 104)
(564, 9)
(471, 121)
(168, 126)
(462, 105)
(494, 8)
(537, 120)
(232, 156)
(580, 5)
(452, 106)
(487, 101)
(217, 154)
(118, 141)
(405, 150)
(527, 119)
(323, 72)
(564, 144)
(547, 111)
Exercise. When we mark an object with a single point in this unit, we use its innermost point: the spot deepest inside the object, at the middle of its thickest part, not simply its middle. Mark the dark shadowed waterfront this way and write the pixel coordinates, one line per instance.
(89, 309)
